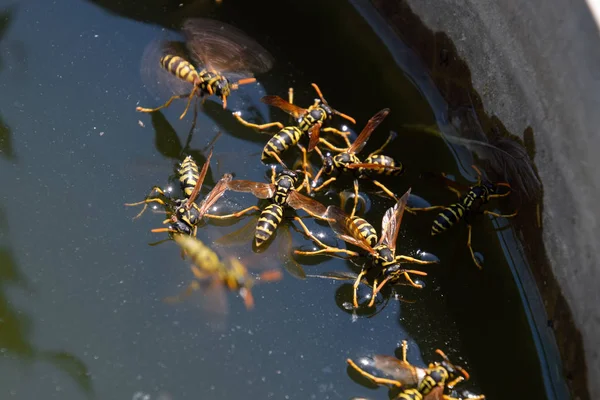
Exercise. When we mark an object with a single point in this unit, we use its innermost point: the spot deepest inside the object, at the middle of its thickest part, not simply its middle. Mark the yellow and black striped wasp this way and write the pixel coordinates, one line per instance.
(309, 121)
(360, 233)
(219, 53)
(231, 274)
(282, 191)
(375, 164)
(416, 383)
(468, 205)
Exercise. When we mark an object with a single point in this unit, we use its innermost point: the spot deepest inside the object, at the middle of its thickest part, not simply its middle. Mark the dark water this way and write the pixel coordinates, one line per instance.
(81, 298)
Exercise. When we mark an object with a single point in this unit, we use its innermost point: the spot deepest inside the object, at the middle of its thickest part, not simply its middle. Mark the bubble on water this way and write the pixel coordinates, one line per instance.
(347, 305)
(140, 396)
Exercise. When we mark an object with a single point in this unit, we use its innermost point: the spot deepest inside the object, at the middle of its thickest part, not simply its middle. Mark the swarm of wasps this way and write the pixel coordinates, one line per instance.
(215, 60)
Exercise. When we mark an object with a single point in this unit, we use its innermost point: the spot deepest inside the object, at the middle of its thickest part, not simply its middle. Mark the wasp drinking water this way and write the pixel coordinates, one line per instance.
(309, 121)
(214, 56)
(468, 205)
(375, 164)
(282, 191)
(416, 383)
(362, 234)
(231, 274)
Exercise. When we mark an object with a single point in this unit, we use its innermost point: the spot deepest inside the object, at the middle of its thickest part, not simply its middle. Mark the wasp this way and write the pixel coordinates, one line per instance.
(362, 234)
(416, 383)
(185, 213)
(231, 274)
(309, 121)
(219, 52)
(375, 164)
(282, 192)
(467, 206)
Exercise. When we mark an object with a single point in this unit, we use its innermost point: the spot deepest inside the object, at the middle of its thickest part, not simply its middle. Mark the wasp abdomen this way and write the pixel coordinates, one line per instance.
(389, 166)
(180, 68)
(283, 140)
(188, 175)
(269, 220)
(448, 217)
(366, 230)
(410, 394)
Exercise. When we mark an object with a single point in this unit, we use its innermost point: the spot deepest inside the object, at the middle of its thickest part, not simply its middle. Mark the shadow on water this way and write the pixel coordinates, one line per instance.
(6, 146)
(16, 326)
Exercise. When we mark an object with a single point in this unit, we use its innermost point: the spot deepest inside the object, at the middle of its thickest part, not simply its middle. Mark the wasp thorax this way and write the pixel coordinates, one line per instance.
(384, 254)
(287, 179)
(343, 159)
(222, 87)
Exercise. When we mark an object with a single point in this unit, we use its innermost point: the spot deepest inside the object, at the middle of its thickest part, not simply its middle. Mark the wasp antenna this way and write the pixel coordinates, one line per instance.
(314, 85)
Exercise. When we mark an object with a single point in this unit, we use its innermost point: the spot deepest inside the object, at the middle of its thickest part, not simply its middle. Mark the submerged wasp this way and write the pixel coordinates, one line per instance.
(468, 205)
(219, 53)
(282, 191)
(375, 164)
(360, 233)
(309, 121)
(416, 383)
(231, 274)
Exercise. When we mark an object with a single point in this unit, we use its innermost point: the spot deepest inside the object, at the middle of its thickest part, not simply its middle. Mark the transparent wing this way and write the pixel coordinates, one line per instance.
(390, 224)
(397, 369)
(345, 229)
(311, 206)
(214, 44)
(367, 131)
(259, 189)
(157, 80)
(215, 194)
(200, 181)
(284, 105)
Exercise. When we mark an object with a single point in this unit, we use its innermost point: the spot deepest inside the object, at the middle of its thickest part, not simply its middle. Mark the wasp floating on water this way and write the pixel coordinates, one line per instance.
(468, 205)
(231, 274)
(416, 383)
(375, 164)
(282, 191)
(214, 56)
(360, 233)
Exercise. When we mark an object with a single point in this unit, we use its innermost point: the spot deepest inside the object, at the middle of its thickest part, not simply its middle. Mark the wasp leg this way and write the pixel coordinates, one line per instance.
(291, 95)
(234, 215)
(391, 137)
(355, 198)
(413, 209)
(456, 381)
(344, 135)
(385, 189)
(325, 248)
(273, 175)
(331, 146)
(355, 288)
(374, 294)
(493, 214)
(305, 169)
(471, 248)
(279, 160)
(480, 397)
(191, 288)
(456, 191)
(324, 184)
(414, 260)
(167, 104)
(187, 107)
(279, 125)
(149, 200)
(404, 350)
(373, 378)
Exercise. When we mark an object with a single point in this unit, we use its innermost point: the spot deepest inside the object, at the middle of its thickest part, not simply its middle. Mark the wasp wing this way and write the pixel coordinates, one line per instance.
(367, 131)
(311, 206)
(215, 194)
(259, 189)
(286, 106)
(390, 224)
(219, 46)
(399, 370)
(158, 81)
(201, 178)
(313, 135)
(345, 229)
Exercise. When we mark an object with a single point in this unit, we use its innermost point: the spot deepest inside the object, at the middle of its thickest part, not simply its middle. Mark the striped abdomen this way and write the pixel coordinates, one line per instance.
(286, 138)
(476, 197)
(366, 230)
(180, 68)
(269, 220)
(410, 394)
(201, 255)
(312, 117)
(435, 377)
(448, 217)
(188, 175)
(388, 166)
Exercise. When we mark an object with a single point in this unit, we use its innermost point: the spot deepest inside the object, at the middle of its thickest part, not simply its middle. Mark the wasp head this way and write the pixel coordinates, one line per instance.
(287, 178)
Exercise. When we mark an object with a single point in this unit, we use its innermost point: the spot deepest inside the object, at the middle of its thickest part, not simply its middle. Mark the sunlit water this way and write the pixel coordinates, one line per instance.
(82, 309)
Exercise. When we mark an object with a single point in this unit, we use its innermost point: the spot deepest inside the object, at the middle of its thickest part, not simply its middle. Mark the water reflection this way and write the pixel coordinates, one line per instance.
(6, 145)
(16, 327)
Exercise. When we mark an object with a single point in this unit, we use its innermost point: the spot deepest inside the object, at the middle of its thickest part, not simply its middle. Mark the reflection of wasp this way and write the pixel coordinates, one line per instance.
(309, 120)
(468, 205)
(374, 164)
(282, 191)
(206, 265)
(422, 383)
(360, 233)
(217, 50)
